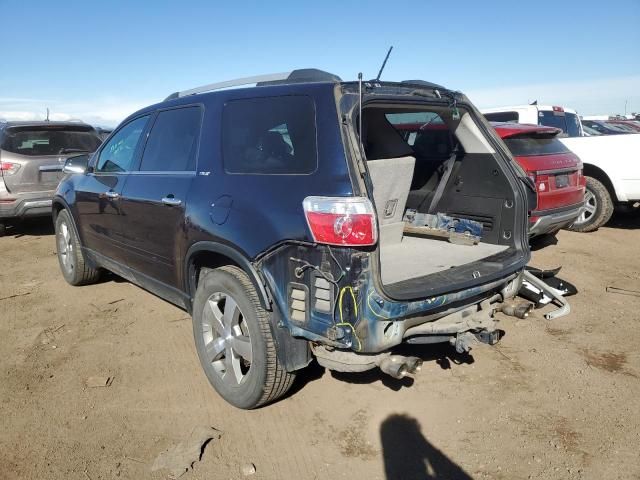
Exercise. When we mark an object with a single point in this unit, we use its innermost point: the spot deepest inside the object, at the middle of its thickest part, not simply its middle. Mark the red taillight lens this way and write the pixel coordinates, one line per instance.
(9, 168)
(542, 183)
(346, 221)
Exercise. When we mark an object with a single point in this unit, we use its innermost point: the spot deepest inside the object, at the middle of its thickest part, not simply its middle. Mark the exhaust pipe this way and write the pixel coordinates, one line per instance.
(399, 367)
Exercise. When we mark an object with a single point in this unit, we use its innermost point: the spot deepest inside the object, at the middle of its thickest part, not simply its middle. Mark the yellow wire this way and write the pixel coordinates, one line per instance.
(347, 324)
(371, 308)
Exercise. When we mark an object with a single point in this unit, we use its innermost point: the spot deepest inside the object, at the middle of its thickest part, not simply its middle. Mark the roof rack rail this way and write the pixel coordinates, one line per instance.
(304, 75)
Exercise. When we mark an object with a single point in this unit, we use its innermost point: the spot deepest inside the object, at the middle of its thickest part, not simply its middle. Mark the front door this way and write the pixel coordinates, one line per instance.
(153, 201)
(98, 192)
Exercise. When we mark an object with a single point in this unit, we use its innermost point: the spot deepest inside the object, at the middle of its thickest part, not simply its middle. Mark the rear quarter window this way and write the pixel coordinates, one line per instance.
(269, 136)
(529, 146)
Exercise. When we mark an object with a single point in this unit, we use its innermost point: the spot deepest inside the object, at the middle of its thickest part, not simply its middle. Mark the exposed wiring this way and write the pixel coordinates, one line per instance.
(343, 323)
(306, 265)
(337, 263)
(371, 308)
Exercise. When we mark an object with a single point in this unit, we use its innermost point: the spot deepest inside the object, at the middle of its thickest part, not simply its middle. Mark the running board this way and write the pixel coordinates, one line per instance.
(555, 296)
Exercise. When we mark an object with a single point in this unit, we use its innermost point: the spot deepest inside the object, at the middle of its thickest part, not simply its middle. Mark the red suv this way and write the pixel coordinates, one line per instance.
(556, 171)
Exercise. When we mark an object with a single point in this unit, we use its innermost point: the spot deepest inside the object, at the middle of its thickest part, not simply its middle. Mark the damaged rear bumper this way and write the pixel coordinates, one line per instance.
(331, 299)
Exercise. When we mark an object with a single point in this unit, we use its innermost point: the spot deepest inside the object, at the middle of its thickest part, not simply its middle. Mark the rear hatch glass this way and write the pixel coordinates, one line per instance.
(535, 145)
(38, 141)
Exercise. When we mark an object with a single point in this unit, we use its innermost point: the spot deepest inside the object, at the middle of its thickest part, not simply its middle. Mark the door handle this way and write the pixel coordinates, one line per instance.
(172, 202)
(112, 195)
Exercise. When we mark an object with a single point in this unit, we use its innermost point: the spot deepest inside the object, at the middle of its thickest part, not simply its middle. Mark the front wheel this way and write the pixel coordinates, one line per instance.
(598, 207)
(73, 264)
(234, 342)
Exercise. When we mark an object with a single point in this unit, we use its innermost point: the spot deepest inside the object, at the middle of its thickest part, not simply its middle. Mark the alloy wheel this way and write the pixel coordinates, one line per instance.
(590, 207)
(65, 247)
(226, 338)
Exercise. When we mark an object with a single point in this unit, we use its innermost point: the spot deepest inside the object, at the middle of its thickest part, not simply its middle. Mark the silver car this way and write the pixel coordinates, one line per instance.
(32, 155)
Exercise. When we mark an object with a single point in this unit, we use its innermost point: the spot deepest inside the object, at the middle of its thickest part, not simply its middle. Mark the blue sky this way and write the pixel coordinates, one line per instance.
(102, 60)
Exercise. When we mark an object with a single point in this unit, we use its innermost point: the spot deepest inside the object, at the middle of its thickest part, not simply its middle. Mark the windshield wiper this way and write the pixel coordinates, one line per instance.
(73, 150)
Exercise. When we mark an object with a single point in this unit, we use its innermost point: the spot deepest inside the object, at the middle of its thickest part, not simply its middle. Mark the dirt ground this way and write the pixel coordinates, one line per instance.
(554, 400)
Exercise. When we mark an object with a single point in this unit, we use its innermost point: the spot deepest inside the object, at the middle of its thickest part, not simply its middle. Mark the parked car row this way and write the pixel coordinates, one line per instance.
(611, 163)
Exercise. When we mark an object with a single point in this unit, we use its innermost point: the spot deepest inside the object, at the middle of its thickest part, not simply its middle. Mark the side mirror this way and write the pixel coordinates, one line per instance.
(77, 164)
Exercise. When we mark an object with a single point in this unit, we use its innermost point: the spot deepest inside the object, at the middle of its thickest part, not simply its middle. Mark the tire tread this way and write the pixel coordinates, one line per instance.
(278, 381)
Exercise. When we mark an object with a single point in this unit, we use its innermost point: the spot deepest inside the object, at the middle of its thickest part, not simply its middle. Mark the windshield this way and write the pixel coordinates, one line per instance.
(48, 141)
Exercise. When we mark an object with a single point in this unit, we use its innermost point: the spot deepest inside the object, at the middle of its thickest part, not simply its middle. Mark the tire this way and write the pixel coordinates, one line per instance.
(73, 264)
(236, 347)
(599, 207)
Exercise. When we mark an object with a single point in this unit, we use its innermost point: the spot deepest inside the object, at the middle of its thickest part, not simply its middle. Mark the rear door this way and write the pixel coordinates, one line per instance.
(154, 197)
(98, 191)
(40, 151)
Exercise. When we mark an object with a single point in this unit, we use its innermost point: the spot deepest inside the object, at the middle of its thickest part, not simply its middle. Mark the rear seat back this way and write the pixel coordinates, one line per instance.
(391, 179)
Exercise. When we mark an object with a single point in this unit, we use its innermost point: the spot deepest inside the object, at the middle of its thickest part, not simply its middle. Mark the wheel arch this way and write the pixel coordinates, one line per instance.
(207, 254)
(590, 170)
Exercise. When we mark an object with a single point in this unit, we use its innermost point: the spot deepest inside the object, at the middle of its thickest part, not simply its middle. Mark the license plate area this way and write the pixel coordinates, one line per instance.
(562, 181)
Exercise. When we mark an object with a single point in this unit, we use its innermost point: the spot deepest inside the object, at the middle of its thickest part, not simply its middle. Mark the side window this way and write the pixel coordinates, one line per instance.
(502, 117)
(117, 155)
(272, 135)
(173, 141)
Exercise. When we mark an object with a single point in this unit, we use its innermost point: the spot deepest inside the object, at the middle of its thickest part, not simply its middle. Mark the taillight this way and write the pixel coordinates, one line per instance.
(346, 221)
(9, 168)
(542, 183)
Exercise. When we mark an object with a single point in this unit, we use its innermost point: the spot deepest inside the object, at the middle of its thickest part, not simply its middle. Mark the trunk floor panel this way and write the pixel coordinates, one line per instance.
(416, 257)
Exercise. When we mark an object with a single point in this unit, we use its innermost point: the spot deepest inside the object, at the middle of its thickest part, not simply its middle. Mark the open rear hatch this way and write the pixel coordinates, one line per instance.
(451, 210)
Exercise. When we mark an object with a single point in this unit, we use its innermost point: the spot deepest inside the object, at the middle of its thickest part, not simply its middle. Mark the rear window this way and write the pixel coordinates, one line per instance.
(502, 117)
(271, 135)
(567, 122)
(529, 146)
(49, 141)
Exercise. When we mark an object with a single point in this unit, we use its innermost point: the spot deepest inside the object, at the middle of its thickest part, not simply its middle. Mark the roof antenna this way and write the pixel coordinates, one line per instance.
(384, 63)
(47, 119)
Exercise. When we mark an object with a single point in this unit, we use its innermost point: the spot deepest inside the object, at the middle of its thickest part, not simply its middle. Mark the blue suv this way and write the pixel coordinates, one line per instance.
(275, 215)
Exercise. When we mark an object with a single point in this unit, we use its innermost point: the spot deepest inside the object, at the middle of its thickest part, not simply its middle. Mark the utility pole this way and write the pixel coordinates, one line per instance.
(47, 119)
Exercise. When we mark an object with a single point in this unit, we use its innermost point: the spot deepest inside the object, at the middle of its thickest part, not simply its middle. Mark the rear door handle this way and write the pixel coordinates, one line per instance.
(172, 202)
(111, 194)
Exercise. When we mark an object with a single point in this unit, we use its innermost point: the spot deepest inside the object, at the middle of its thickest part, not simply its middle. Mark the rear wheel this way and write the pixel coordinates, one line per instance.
(234, 342)
(598, 207)
(73, 263)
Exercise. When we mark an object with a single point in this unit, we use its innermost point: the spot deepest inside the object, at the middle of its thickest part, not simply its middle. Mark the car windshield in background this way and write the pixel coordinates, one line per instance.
(48, 141)
(530, 146)
(567, 122)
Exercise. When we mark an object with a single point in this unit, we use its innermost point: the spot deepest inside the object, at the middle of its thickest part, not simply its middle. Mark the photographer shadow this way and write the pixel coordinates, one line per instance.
(408, 455)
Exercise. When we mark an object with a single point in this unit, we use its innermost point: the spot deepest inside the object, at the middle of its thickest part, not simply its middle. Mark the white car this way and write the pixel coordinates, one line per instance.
(565, 119)
(612, 170)
(611, 162)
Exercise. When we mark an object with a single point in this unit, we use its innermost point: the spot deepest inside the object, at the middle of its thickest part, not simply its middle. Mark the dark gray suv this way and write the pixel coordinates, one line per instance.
(32, 155)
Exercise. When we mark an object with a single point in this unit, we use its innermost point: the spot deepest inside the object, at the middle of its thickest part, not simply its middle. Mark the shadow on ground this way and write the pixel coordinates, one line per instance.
(442, 354)
(625, 219)
(408, 455)
(33, 227)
